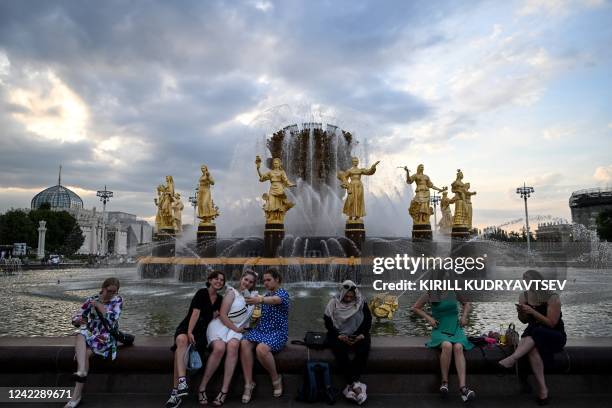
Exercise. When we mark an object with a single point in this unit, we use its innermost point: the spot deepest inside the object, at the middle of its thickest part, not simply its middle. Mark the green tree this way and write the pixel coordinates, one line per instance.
(16, 226)
(604, 225)
(60, 225)
(73, 242)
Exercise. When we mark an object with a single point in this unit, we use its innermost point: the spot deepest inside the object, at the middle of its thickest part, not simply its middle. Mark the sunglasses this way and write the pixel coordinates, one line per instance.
(349, 287)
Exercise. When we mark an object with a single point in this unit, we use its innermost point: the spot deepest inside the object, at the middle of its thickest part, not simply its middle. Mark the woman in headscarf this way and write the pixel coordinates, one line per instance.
(544, 335)
(348, 321)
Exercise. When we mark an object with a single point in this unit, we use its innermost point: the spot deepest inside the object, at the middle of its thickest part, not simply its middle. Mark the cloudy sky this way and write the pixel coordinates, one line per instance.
(122, 93)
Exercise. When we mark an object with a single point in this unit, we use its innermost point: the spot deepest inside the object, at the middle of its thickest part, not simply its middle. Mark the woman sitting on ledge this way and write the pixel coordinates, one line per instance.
(93, 336)
(224, 334)
(192, 330)
(269, 336)
(544, 335)
(448, 334)
(348, 321)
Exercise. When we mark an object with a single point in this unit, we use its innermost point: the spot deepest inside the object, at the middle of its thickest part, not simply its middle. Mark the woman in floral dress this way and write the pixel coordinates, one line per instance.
(93, 336)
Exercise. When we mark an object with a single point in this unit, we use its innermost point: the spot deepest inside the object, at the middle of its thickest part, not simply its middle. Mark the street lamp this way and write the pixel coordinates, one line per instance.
(435, 199)
(525, 193)
(105, 196)
(194, 202)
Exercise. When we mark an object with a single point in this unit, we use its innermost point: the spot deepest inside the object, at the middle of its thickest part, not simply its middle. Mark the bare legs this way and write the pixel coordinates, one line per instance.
(448, 351)
(459, 363)
(231, 358)
(216, 354)
(179, 358)
(82, 355)
(537, 366)
(527, 347)
(524, 347)
(246, 360)
(264, 356)
(445, 359)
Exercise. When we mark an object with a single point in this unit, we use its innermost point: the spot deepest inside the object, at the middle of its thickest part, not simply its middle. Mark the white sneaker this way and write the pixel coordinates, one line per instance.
(182, 389)
(349, 393)
(174, 401)
(362, 396)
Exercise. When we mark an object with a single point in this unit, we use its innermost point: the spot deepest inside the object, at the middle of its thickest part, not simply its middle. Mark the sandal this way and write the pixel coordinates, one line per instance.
(202, 397)
(247, 393)
(220, 400)
(277, 385)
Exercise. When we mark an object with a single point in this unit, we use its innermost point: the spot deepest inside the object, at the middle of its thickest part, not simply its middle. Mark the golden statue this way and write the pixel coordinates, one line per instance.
(207, 211)
(354, 206)
(446, 223)
(419, 210)
(468, 204)
(276, 203)
(177, 213)
(463, 202)
(157, 201)
(165, 217)
(383, 306)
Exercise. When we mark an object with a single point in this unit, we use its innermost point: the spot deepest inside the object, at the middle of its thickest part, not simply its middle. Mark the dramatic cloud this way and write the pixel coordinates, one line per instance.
(603, 174)
(123, 93)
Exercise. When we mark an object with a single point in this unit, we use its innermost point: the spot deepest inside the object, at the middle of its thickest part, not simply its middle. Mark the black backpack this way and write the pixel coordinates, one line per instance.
(317, 385)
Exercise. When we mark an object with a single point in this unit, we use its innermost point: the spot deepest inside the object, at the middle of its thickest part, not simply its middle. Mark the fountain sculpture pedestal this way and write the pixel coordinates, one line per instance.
(422, 232)
(206, 240)
(165, 243)
(355, 231)
(460, 232)
(273, 238)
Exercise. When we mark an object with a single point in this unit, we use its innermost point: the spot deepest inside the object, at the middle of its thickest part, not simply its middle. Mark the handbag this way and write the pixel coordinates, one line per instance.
(124, 338)
(512, 336)
(313, 340)
(193, 361)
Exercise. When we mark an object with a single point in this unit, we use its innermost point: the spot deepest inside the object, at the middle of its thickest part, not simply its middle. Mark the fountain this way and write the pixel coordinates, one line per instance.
(308, 170)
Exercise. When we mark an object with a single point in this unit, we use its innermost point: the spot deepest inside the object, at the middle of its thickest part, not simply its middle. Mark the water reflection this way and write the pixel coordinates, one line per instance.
(35, 304)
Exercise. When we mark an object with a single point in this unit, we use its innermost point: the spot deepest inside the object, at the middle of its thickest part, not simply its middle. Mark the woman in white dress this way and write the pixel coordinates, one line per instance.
(224, 334)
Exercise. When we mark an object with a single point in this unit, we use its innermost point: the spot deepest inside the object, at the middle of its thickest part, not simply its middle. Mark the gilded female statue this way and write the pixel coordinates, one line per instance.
(177, 213)
(459, 199)
(354, 205)
(207, 210)
(419, 210)
(446, 222)
(167, 201)
(158, 201)
(468, 204)
(276, 203)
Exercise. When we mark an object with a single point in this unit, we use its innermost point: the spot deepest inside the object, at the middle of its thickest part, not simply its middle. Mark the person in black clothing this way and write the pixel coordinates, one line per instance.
(204, 307)
(544, 335)
(348, 321)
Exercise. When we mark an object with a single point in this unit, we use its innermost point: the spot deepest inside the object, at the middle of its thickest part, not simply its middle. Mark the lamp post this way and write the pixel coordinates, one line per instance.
(105, 196)
(194, 202)
(435, 199)
(525, 193)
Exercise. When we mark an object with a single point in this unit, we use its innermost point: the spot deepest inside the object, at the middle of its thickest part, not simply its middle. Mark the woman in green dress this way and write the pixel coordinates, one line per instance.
(448, 334)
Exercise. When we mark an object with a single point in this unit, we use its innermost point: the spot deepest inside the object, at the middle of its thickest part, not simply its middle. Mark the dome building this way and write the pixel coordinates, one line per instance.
(58, 197)
(115, 232)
